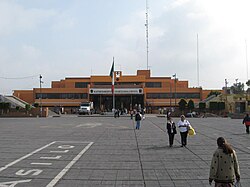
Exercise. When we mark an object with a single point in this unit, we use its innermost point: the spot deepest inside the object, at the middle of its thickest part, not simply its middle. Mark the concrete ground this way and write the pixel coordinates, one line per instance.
(103, 151)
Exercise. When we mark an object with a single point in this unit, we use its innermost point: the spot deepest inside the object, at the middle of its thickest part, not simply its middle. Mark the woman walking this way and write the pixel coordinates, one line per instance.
(183, 125)
(224, 165)
(171, 130)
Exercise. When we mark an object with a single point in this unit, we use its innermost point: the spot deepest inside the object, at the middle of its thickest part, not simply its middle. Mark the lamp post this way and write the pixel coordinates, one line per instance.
(174, 89)
(170, 87)
(41, 109)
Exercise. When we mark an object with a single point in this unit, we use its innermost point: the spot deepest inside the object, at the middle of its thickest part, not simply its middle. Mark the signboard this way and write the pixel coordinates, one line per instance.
(118, 91)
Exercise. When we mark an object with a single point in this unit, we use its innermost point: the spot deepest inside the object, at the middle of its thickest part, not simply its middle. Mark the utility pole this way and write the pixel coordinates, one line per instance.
(226, 88)
(41, 108)
(146, 25)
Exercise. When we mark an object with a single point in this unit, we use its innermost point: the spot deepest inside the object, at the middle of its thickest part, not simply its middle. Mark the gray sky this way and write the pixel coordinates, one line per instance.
(77, 38)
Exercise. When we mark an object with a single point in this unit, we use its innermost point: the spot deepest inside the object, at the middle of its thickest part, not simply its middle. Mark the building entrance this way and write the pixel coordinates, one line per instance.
(129, 102)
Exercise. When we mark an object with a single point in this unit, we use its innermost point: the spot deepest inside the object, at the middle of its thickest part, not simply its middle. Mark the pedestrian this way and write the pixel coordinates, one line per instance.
(138, 118)
(131, 114)
(246, 121)
(171, 130)
(183, 125)
(224, 166)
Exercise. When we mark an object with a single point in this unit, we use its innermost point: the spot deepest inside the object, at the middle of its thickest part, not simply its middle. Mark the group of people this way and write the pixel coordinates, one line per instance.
(224, 168)
(183, 126)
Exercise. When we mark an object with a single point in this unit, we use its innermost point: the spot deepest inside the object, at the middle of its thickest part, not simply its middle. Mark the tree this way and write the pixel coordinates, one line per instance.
(237, 88)
(36, 105)
(248, 84)
(27, 107)
(213, 93)
(182, 104)
(190, 105)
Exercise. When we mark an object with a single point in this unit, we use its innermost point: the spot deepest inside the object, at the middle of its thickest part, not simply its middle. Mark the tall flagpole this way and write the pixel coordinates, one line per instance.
(198, 73)
(113, 85)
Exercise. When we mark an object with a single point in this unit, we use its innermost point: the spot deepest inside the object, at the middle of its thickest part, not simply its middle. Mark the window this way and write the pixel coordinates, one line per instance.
(169, 95)
(81, 84)
(62, 95)
(153, 84)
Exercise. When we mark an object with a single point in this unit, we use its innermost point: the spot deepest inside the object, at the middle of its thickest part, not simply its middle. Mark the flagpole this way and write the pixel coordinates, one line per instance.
(113, 85)
(113, 90)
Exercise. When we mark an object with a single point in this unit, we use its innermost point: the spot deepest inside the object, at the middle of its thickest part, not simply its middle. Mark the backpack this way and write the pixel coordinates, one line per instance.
(138, 117)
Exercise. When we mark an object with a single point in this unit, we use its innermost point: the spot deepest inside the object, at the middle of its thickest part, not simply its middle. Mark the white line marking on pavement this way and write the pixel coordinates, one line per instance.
(65, 151)
(65, 170)
(51, 158)
(24, 157)
(37, 163)
(89, 125)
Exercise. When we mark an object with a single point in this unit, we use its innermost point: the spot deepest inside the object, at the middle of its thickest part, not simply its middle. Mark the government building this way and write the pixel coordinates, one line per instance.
(130, 91)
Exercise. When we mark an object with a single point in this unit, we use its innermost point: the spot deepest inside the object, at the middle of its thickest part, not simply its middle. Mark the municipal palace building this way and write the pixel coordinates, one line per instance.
(152, 93)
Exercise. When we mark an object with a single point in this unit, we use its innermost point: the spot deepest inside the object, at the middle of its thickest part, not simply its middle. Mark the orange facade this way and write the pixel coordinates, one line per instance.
(130, 90)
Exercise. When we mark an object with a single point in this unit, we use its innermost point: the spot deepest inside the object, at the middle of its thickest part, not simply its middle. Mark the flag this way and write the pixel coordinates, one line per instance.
(112, 76)
(112, 69)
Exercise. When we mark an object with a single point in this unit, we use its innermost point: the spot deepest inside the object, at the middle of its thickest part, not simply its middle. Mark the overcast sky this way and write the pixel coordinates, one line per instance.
(78, 38)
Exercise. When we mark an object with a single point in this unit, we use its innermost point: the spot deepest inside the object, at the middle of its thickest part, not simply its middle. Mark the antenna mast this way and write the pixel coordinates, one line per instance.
(198, 73)
(246, 59)
(146, 25)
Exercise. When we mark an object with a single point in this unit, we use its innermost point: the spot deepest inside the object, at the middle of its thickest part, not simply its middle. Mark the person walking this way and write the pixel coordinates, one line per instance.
(183, 125)
(224, 166)
(171, 130)
(246, 121)
(138, 118)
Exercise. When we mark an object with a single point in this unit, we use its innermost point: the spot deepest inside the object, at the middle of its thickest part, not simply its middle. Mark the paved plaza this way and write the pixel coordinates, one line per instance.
(72, 151)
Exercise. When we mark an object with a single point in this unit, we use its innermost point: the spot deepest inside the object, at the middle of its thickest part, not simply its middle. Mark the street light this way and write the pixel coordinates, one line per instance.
(174, 89)
(41, 109)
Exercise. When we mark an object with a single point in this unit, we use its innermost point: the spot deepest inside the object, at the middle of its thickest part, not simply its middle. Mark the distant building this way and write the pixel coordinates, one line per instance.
(131, 91)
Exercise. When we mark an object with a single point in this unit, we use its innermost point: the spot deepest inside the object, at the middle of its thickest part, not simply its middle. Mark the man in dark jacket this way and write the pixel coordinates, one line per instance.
(138, 118)
(246, 121)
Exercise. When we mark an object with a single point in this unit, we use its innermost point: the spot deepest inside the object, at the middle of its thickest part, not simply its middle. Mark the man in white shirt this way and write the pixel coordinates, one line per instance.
(183, 125)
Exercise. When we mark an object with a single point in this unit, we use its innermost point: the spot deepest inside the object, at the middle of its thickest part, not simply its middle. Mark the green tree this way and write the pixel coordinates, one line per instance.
(27, 107)
(237, 88)
(36, 105)
(248, 84)
(213, 93)
(182, 104)
(17, 108)
(190, 105)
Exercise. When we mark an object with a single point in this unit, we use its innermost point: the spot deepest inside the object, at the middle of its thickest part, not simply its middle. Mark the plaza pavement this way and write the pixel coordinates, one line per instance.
(105, 151)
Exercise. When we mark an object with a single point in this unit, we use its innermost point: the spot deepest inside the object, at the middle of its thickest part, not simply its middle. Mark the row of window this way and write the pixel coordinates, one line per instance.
(62, 95)
(172, 95)
(148, 84)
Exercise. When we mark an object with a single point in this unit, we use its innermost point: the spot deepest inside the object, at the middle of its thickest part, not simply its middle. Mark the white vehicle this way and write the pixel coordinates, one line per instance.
(86, 108)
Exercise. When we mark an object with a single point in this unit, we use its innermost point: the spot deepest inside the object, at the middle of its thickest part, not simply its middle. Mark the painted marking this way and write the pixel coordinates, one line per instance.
(65, 151)
(26, 156)
(89, 125)
(65, 170)
(39, 163)
(13, 183)
(22, 173)
(66, 147)
(50, 158)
